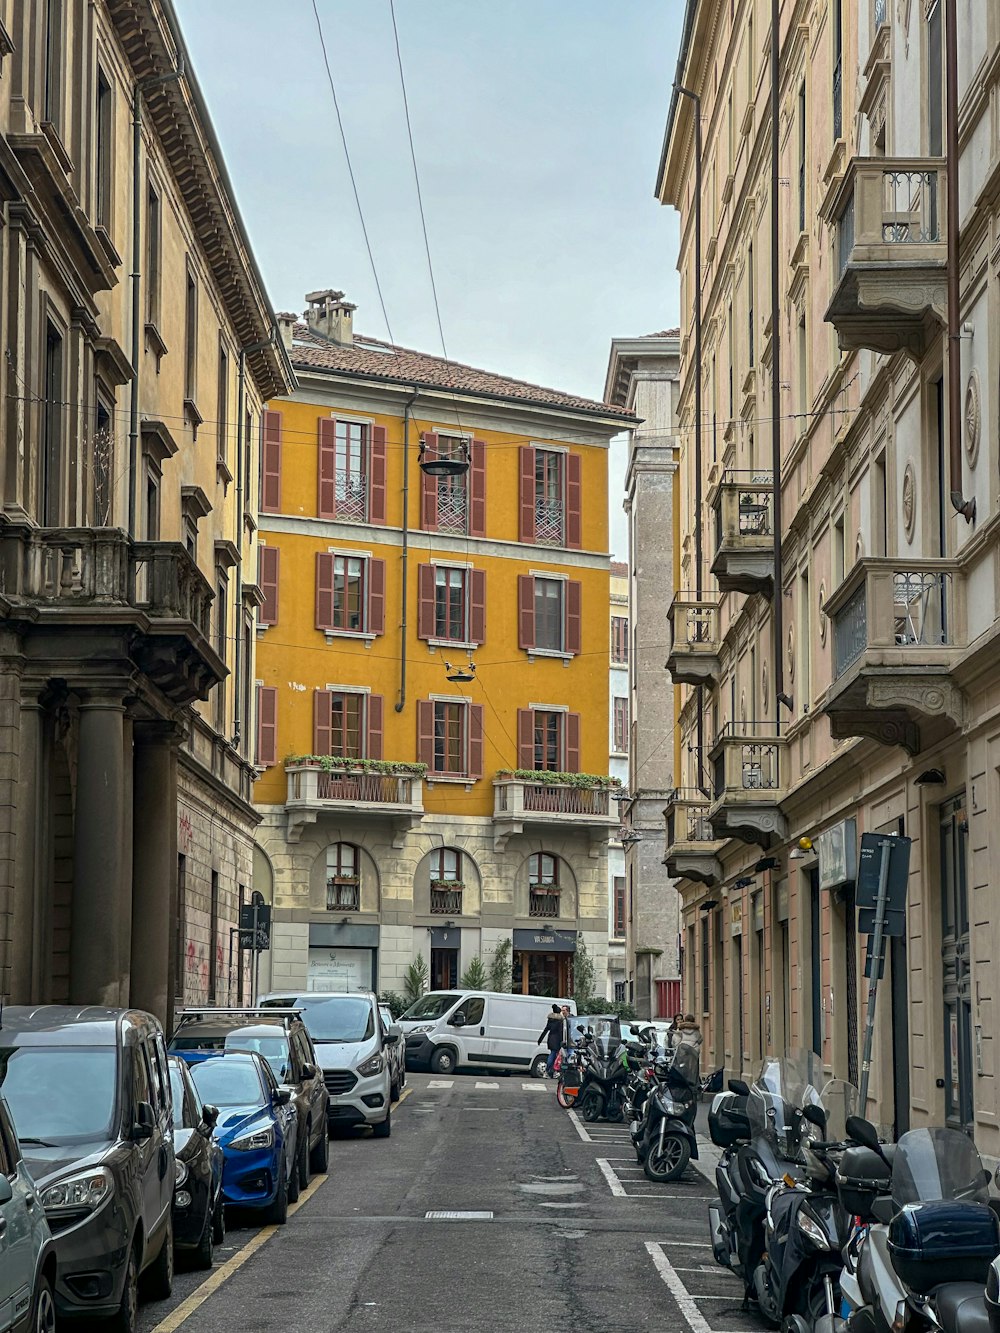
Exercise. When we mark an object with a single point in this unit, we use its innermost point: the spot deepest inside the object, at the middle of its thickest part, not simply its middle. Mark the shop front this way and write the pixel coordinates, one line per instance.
(543, 962)
(342, 958)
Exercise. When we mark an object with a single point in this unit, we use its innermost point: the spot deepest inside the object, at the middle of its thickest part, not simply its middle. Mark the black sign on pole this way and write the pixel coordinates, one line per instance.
(869, 862)
(255, 927)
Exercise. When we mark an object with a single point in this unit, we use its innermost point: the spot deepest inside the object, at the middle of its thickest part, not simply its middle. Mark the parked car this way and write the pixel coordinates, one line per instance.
(89, 1092)
(446, 1030)
(352, 1047)
(199, 1212)
(28, 1267)
(256, 1131)
(396, 1055)
(281, 1038)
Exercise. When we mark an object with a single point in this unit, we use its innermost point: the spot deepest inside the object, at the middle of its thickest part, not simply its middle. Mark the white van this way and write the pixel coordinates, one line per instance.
(446, 1030)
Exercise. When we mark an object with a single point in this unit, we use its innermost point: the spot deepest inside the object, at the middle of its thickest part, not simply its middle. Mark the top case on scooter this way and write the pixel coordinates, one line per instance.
(727, 1120)
(862, 1176)
(945, 1241)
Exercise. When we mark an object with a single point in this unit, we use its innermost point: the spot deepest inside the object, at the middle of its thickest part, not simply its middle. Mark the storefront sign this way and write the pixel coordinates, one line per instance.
(837, 849)
(446, 937)
(331, 935)
(545, 941)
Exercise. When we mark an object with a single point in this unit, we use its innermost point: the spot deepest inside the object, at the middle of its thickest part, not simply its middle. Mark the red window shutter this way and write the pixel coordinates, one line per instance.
(326, 491)
(572, 742)
(477, 605)
(376, 596)
(526, 528)
(324, 590)
(573, 638)
(525, 738)
(475, 769)
(525, 611)
(425, 601)
(322, 722)
(425, 733)
(429, 487)
(374, 727)
(376, 476)
(574, 500)
(477, 490)
(267, 576)
(270, 471)
(267, 726)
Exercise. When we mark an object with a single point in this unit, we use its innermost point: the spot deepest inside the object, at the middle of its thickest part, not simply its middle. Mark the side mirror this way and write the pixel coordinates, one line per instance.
(309, 1071)
(635, 1031)
(738, 1086)
(209, 1116)
(393, 1034)
(815, 1115)
(145, 1123)
(458, 1021)
(282, 1096)
(864, 1132)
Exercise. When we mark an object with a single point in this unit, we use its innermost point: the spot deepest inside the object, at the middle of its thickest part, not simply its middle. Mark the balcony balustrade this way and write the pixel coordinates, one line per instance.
(744, 520)
(890, 215)
(363, 794)
(521, 803)
(445, 902)
(549, 523)
(748, 782)
(452, 510)
(543, 902)
(692, 845)
(351, 491)
(694, 634)
(898, 629)
(343, 895)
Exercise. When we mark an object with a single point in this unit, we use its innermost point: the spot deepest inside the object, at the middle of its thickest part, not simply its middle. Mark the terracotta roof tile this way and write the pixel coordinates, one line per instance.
(372, 359)
(664, 333)
(619, 568)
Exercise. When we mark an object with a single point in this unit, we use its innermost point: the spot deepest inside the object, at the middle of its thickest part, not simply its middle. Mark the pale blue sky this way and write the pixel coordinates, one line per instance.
(537, 126)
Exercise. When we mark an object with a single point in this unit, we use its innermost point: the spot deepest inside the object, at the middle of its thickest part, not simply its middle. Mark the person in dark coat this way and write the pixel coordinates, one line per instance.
(555, 1036)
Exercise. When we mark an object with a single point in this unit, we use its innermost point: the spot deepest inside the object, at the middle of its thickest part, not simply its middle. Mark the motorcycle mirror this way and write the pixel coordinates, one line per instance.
(739, 1087)
(815, 1115)
(865, 1133)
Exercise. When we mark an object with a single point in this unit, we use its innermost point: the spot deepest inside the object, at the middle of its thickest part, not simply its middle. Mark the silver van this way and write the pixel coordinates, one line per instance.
(448, 1030)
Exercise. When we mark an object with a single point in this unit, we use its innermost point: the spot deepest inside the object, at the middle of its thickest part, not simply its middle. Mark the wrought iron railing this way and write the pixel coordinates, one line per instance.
(748, 760)
(850, 631)
(549, 523)
(687, 817)
(893, 608)
(343, 895)
(838, 98)
(352, 497)
(910, 213)
(452, 510)
(543, 902)
(446, 902)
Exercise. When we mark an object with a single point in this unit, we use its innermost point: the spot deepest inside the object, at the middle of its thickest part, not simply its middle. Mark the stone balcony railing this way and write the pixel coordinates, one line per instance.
(692, 845)
(445, 902)
(744, 538)
(749, 780)
(520, 802)
(543, 902)
(694, 646)
(386, 792)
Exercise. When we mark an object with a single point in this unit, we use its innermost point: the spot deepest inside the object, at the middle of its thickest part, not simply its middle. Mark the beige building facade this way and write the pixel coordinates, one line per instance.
(138, 352)
(873, 542)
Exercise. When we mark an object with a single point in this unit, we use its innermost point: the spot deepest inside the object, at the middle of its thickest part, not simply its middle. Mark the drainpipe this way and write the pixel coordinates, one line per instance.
(401, 701)
(698, 520)
(141, 87)
(967, 508)
(777, 605)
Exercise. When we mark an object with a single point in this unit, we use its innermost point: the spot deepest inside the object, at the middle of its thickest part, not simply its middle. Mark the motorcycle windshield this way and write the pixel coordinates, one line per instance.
(933, 1164)
(685, 1064)
(782, 1087)
(607, 1038)
(839, 1099)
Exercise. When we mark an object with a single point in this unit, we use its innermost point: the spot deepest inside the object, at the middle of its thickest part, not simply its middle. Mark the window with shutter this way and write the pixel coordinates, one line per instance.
(525, 738)
(620, 729)
(450, 606)
(375, 713)
(475, 764)
(350, 479)
(573, 641)
(550, 497)
(547, 741)
(267, 726)
(572, 742)
(376, 597)
(525, 611)
(428, 486)
(426, 595)
(270, 469)
(477, 490)
(452, 501)
(574, 501)
(376, 506)
(450, 738)
(425, 732)
(477, 606)
(549, 615)
(526, 524)
(267, 576)
(326, 499)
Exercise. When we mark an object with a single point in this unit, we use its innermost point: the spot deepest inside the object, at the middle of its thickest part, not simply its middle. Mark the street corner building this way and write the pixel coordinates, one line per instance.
(432, 667)
(138, 352)
(835, 632)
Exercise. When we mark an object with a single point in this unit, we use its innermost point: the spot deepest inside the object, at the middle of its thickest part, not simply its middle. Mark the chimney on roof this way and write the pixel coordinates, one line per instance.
(286, 326)
(331, 316)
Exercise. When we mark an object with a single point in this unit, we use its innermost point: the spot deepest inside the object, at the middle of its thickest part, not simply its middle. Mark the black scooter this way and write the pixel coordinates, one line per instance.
(605, 1072)
(668, 1139)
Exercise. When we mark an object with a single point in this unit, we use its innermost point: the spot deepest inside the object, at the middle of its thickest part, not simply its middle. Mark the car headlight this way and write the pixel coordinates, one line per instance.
(812, 1229)
(180, 1172)
(260, 1138)
(374, 1065)
(87, 1189)
(426, 1027)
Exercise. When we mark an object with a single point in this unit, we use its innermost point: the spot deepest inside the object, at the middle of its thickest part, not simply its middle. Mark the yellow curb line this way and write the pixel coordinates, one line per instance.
(402, 1097)
(221, 1275)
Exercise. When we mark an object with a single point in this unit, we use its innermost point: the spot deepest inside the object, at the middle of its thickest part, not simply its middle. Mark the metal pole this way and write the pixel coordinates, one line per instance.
(777, 606)
(876, 965)
(967, 508)
(256, 950)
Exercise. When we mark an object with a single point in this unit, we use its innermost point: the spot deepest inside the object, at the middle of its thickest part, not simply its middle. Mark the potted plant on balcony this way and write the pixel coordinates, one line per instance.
(328, 763)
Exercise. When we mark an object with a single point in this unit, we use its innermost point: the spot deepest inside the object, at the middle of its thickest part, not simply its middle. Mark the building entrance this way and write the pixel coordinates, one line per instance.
(444, 969)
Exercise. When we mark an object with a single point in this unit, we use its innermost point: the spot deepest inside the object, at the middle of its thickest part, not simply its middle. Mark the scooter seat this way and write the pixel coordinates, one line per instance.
(961, 1308)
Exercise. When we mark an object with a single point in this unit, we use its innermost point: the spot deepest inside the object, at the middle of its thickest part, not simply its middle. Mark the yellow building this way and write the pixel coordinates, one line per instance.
(410, 802)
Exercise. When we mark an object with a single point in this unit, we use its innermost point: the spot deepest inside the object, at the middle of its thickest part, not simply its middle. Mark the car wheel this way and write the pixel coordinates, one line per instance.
(278, 1212)
(45, 1308)
(539, 1066)
(303, 1162)
(127, 1318)
(443, 1061)
(205, 1252)
(384, 1129)
(159, 1277)
(219, 1221)
(319, 1159)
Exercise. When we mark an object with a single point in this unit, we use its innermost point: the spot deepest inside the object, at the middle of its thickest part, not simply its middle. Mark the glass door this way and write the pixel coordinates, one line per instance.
(956, 965)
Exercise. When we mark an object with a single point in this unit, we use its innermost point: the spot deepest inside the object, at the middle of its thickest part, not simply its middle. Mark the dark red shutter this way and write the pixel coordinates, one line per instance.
(477, 605)
(376, 597)
(574, 500)
(322, 722)
(526, 528)
(374, 727)
(270, 464)
(525, 738)
(326, 485)
(525, 611)
(429, 487)
(572, 742)
(324, 590)
(475, 769)
(425, 601)
(376, 476)
(425, 733)
(267, 726)
(267, 577)
(573, 639)
(477, 490)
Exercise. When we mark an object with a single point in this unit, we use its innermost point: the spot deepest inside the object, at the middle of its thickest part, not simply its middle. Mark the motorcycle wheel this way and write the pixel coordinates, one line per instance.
(566, 1094)
(591, 1106)
(668, 1163)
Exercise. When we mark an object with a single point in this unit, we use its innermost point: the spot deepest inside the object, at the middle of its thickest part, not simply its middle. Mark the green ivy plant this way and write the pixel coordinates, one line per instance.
(338, 764)
(547, 779)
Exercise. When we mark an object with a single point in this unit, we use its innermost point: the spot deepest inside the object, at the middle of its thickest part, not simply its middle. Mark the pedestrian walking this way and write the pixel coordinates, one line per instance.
(688, 1033)
(554, 1034)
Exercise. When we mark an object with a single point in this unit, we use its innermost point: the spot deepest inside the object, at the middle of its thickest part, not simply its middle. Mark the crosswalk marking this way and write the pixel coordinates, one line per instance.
(538, 1086)
(441, 1083)
(487, 1085)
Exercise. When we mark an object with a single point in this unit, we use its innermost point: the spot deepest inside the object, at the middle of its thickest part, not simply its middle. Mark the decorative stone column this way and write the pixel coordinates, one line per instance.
(100, 873)
(154, 866)
(32, 816)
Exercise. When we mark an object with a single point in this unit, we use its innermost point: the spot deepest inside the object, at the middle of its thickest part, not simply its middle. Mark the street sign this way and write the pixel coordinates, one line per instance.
(255, 927)
(869, 863)
(883, 867)
(868, 962)
(894, 923)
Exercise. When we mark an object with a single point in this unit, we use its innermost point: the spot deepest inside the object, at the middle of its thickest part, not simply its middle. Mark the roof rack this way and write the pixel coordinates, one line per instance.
(211, 1011)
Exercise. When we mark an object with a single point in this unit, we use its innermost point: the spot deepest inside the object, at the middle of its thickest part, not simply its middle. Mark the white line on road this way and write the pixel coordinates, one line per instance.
(614, 1184)
(487, 1085)
(685, 1301)
(441, 1083)
(578, 1126)
(534, 1087)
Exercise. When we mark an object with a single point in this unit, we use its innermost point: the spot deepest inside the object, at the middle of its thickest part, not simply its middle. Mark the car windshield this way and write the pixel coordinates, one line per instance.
(60, 1094)
(334, 1018)
(177, 1091)
(274, 1049)
(228, 1082)
(432, 1005)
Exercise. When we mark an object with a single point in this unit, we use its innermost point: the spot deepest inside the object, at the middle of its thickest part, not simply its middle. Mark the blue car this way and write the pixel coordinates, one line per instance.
(256, 1130)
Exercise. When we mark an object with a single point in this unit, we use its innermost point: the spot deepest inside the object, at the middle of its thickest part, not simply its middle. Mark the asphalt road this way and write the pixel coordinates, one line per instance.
(574, 1236)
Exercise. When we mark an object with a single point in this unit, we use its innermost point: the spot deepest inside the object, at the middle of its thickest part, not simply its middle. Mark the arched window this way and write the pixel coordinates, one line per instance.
(343, 878)
(543, 885)
(446, 882)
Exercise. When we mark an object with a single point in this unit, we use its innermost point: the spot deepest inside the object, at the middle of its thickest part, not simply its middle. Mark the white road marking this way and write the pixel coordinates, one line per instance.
(487, 1085)
(614, 1184)
(446, 1215)
(578, 1126)
(537, 1086)
(441, 1083)
(685, 1301)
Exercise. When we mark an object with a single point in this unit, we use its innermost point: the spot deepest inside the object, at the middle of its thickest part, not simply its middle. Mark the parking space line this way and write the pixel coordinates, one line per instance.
(538, 1086)
(685, 1301)
(575, 1119)
(487, 1085)
(441, 1083)
(614, 1184)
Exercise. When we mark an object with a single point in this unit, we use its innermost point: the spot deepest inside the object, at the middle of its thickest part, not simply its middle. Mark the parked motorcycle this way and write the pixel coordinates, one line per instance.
(605, 1071)
(570, 1076)
(666, 1140)
(729, 1129)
